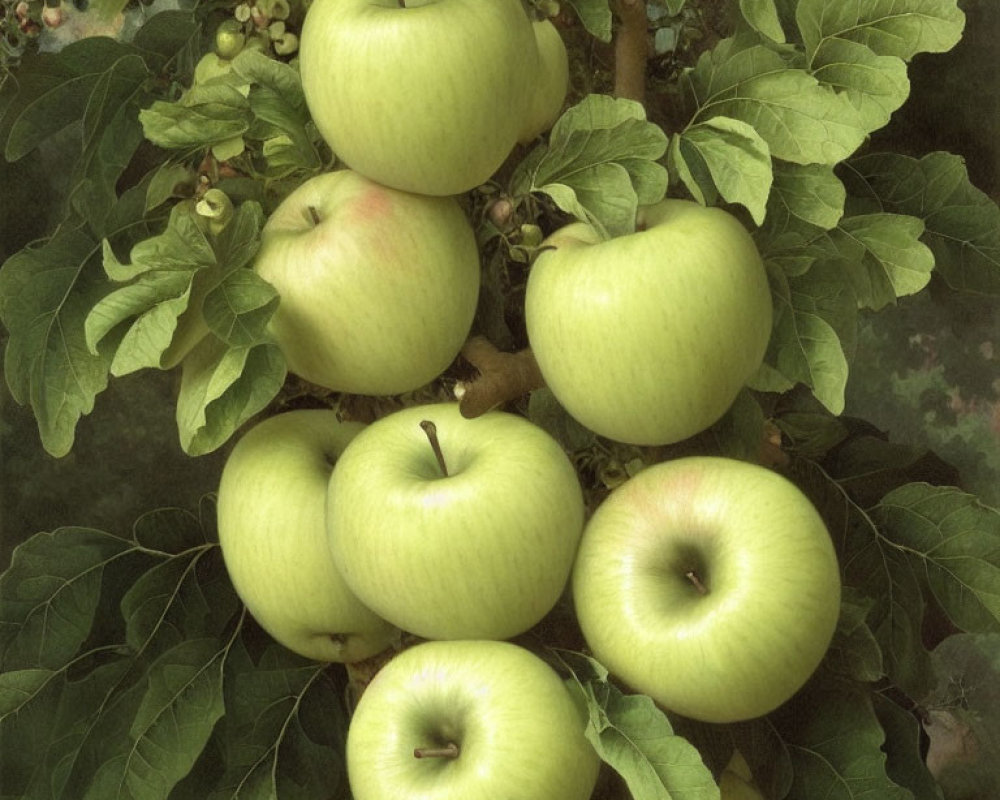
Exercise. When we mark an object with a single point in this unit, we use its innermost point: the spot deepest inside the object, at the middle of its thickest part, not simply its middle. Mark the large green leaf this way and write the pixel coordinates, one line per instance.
(835, 742)
(900, 28)
(735, 159)
(953, 543)
(600, 163)
(961, 223)
(802, 120)
(273, 745)
(636, 739)
(50, 594)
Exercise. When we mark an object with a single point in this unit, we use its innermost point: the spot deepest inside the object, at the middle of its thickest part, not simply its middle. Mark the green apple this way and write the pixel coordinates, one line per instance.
(468, 720)
(552, 82)
(647, 338)
(429, 96)
(378, 287)
(710, 585)
(272, 529)
(473, 538)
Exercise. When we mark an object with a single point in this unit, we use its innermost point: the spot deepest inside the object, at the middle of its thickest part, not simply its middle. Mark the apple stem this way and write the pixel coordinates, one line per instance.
(402, 3)
(432, 436)
(450, 750)
(314, 215)
(692, 576)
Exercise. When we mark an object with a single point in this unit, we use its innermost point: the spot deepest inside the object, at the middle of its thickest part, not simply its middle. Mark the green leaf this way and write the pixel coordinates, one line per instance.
(962, 224)
(905, 763)
(876, 85)
(80, 82)
(963, 726)
(281, 118)
(206, 114)
(46, 291)
(181, 702)
(953, 543)
(238, 309)
(734, 155)
(165, 182)
(835, 742)
(599, 164)
(741, 430)
(50, 594)
(636, 739)
(855, 652)
(18, 687)
(158, 291)
(546, 412)
(187, 596)
(273, 746)
(886, 257)
(595, 16)
(762, 16)
(222, 387)
(174, 531)
(877, 570)
(801, 120)
(814, 321)
(805, 200)
(900, 28)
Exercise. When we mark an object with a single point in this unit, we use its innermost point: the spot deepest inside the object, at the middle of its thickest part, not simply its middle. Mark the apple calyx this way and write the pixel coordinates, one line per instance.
(450, 750)
(696, 581)
(431, 430)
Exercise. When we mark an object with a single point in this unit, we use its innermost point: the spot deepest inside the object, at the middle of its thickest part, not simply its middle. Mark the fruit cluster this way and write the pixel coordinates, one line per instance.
(466, 532)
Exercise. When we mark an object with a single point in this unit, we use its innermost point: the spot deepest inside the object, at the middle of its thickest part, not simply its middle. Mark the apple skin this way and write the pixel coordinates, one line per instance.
(647, 338)
(761, 550)
(272, 530)
(430, 98)
(379, 296)
(484, 553)
(518, 730)
(552, 81)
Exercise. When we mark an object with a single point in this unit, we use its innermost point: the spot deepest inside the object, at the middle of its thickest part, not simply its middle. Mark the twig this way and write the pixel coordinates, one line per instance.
(502, 376)
(631, 50)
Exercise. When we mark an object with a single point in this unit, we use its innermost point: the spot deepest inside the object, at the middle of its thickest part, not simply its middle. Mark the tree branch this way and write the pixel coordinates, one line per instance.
(502, 376)
(631, 50)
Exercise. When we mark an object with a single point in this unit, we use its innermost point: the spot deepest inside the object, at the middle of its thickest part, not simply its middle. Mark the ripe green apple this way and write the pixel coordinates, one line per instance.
(466, 720)
(647, 338)
(272, 529)
(552, 80)
(429, 96)
(709, 584)
(479, 549)
(378, 287)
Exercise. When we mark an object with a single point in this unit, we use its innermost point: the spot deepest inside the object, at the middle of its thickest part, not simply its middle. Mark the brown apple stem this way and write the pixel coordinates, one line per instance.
(432, 436)
(314, 215)
(692, 576)
(631, 50)
(502, 376)
(450, 750)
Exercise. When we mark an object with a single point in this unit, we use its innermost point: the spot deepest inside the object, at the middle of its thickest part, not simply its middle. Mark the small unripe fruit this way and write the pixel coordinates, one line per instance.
(229, 39)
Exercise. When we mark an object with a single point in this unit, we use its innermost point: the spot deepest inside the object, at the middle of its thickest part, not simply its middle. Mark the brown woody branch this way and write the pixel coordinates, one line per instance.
(502, 376)
(631, 50)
